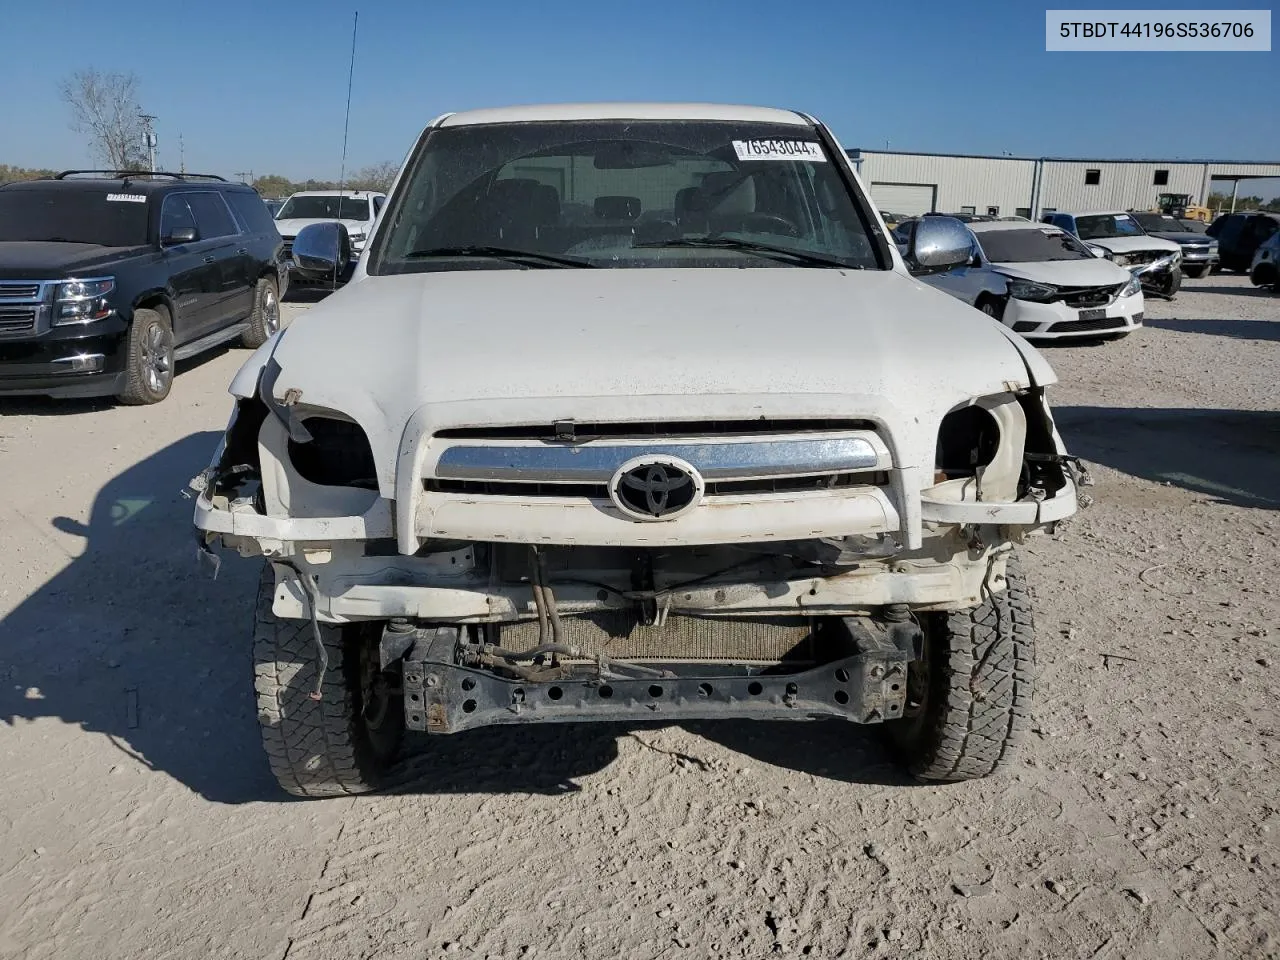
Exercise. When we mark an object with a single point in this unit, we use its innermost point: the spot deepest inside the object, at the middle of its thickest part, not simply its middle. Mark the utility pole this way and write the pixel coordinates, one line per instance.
(182, 155)
(149, 136)
(245, 173)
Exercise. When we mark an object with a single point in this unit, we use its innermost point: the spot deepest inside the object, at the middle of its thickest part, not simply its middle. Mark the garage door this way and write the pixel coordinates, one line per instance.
(904, 198)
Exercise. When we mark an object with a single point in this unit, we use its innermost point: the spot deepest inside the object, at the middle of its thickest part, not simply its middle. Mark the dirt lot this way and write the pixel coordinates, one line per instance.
(137, 818)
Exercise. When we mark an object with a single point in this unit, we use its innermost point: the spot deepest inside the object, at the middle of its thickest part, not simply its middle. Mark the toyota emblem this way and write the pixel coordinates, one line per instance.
(655, 488)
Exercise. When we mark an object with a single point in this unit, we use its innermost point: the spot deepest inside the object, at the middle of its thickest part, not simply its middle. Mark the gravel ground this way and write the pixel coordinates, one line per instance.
(137, 818)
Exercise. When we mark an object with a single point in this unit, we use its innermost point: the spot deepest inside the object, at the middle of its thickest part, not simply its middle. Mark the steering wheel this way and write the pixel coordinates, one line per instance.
(760, 223)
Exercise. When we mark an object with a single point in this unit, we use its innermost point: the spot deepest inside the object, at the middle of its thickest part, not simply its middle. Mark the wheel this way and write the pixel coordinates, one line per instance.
(1195, 273)
(969, 697)
(1172, 283)
(265, 319)
(343, 743)
(148, 358)
(992, 308)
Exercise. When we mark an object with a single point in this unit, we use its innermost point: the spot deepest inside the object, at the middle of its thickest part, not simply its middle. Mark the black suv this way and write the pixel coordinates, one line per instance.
(1239, 236)
(107, 278)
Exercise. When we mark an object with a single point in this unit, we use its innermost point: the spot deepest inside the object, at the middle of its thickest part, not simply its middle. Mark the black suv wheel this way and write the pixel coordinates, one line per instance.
(148, 358)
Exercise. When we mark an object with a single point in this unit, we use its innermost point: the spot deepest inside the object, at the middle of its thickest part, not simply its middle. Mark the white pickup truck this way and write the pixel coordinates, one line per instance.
(633, 412)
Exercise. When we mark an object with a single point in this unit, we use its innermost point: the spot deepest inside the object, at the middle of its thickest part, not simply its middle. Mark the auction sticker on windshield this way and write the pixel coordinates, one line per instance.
(778, 150)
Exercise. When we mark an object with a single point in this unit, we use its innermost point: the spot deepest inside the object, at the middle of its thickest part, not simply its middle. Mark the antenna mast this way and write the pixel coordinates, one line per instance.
(346, 123)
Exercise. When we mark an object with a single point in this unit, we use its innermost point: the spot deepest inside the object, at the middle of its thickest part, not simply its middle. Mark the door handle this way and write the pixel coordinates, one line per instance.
(209, 259)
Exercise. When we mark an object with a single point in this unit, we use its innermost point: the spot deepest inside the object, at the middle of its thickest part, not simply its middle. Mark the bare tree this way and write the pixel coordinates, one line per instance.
(105, 108)
(378, 177)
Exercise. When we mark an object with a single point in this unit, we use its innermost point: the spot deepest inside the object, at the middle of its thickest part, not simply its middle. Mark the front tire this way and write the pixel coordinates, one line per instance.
(969, 698)
(148, 358)
(1195, 273)
(342, 744)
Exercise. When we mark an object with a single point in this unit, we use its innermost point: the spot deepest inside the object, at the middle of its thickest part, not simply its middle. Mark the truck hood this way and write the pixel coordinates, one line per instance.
(1093, 272)
(290, 228)
(1135, 244)
(1186, 239)
(36, 260)
(501, 347)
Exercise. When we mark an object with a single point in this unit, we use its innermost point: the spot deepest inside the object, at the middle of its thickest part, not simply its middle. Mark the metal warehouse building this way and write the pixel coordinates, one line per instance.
(915, 183)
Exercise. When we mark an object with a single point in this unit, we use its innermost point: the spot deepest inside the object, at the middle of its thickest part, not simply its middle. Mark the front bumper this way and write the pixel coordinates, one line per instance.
(46, 365)
(1056, 321)
(1199, 256)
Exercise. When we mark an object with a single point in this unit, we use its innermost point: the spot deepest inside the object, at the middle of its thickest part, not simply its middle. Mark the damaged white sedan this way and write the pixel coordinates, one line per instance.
(633, 412)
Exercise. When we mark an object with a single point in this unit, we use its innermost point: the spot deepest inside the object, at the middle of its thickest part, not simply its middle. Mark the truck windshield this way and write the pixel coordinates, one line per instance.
(73, 215)
(1031, 246)
(1160, 221)
(623, 193)
(325, 208)
(1103, 226)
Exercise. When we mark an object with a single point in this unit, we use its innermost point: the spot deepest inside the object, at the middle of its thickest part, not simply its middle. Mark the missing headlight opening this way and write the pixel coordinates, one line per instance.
(967, 440)
(338, 454)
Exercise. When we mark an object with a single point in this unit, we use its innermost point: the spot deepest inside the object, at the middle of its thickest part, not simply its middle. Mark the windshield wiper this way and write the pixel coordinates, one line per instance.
(752, 246)
(524, 257)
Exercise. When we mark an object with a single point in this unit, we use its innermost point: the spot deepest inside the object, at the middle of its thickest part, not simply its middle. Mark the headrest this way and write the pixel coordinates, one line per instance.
(728, 192)
(686, 201)
(617, 208)
(546, 204)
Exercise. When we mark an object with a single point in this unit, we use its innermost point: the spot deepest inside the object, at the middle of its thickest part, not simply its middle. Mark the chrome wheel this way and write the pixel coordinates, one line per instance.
(270, 308)
(157, 359)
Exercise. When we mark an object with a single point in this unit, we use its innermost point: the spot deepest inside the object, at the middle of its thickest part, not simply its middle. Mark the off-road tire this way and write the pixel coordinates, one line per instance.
(977, 681)
(1195, 273)
(266, 299)
(149, 331)
(318, 748)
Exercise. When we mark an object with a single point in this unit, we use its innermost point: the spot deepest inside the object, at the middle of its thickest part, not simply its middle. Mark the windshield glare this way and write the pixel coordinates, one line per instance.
(1031, 246)
(1102, 226)
(622, 193)
(72, 215)
(325, 208)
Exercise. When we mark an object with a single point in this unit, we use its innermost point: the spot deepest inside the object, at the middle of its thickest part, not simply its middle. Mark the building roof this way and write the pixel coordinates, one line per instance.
(859, 151)
(623, 111)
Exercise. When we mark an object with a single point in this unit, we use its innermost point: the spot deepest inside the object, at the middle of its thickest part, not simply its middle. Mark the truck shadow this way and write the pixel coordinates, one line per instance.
(1268, 330)
(1229, 455)
(135, 642)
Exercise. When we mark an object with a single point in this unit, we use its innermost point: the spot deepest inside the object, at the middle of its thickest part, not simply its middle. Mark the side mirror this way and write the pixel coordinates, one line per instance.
(321, 250)
(1098, 251)
(179, 235)
(939, 243)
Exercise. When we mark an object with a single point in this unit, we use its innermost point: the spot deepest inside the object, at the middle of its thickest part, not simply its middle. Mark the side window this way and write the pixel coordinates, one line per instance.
(251, 211)
(1231, 229)
(212, 216)
(1263, 227)
(176, 217)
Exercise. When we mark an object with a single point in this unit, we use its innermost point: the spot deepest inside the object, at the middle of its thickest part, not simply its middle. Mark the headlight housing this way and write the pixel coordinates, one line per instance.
(1133, 286)
(1030, 290)
(83, 301)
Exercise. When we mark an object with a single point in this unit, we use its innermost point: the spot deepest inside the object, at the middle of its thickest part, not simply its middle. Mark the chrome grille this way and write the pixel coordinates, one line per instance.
(25, 290)
(17, 319)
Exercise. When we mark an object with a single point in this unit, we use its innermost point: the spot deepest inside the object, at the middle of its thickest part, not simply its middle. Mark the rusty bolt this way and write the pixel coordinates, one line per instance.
(877, 671)
(433, 680)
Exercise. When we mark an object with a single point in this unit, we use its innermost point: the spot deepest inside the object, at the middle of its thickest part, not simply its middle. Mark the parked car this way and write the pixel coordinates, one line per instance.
(356, 210)
(273, 206)
(1265, 269)
(1195, 226)
(1043, 283)
(1119, 237)
(1239, 236)
(1199, 252)
(107, 279)
(529, 469)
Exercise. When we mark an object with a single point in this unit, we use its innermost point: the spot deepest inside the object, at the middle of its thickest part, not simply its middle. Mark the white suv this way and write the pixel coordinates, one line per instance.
(633, 412)
(356, 210)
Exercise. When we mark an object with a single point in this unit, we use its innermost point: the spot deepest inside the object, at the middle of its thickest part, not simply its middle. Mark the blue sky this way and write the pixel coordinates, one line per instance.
(262, 86)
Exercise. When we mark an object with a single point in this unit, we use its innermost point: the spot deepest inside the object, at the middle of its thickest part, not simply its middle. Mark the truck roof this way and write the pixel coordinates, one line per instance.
(623, 111)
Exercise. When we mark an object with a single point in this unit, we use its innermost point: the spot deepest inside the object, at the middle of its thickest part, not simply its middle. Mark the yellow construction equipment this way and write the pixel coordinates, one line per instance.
(1179, 205)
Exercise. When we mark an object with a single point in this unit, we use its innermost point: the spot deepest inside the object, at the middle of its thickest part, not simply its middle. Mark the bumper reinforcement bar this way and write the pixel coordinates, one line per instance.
(864, 688)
